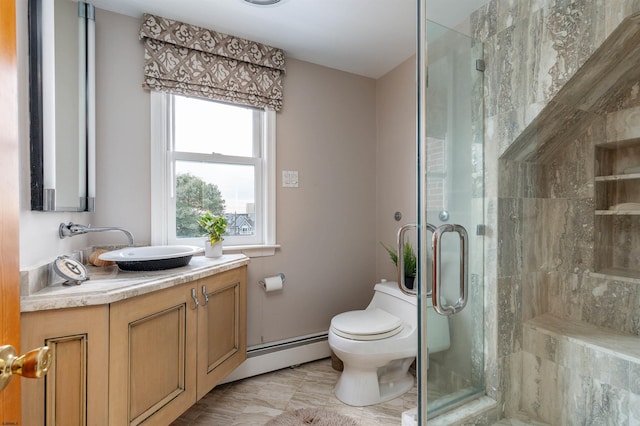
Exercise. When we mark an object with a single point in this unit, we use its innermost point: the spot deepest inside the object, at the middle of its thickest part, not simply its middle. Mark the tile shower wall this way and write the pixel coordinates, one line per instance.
(567, 245)
(540, 241)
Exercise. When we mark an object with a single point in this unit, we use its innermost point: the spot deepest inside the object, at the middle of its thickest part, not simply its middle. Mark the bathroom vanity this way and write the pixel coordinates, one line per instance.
(135, 347)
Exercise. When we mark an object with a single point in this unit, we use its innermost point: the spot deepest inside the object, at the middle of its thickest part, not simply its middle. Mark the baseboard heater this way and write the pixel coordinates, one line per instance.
(281, 354)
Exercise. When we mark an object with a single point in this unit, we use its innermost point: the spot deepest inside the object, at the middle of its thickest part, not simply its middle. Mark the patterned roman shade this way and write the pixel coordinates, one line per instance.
(194, 61)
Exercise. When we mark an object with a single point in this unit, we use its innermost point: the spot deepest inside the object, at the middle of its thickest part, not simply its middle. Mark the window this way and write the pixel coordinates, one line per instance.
(211, 156)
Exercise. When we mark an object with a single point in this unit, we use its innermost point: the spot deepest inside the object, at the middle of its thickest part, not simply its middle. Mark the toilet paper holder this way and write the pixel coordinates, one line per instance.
(262, 283)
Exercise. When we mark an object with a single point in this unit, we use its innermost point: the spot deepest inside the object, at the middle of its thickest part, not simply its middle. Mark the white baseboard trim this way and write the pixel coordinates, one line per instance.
(278, 355)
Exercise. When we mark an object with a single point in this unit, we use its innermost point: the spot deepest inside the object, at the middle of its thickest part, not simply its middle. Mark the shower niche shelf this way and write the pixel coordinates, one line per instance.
(617, 208)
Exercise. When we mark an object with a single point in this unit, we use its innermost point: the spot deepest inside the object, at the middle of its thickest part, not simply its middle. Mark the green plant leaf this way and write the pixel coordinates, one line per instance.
(213, 225)
(409, 258)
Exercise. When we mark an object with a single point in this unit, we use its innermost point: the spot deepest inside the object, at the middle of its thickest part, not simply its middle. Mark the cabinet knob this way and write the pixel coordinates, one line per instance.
(206, 296)
(33, 365)
(194, 296)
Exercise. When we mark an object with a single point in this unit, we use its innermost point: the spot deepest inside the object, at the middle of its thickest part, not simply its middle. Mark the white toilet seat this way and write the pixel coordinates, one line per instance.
(365, 325)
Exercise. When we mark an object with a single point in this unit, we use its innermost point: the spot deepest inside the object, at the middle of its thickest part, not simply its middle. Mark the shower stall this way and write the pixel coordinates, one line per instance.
(451, 200)
(529, 144)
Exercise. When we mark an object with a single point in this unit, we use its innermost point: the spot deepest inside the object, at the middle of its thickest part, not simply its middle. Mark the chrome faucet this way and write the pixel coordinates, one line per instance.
(71, 229)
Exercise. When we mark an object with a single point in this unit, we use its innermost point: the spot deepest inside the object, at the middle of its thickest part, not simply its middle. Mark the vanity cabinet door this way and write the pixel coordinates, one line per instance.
(222, 327)
(74, 391)
(152, 375)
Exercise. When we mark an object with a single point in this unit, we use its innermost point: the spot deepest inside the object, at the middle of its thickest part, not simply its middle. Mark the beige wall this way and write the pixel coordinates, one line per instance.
(395, 159)
(329, 227)
(326, 227)
(326, 131)
(123, 192)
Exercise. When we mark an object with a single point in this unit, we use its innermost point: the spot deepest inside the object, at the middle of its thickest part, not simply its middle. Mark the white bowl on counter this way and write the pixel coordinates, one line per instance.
(151, 258)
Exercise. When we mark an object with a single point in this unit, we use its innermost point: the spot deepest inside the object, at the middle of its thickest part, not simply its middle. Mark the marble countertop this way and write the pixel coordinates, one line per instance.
(110, 284)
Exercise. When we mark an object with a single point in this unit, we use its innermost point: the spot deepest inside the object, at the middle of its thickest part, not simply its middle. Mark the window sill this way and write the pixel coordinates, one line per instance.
(261, 250)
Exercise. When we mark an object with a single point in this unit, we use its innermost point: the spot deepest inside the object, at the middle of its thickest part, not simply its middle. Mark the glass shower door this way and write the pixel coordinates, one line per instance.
(451, 200)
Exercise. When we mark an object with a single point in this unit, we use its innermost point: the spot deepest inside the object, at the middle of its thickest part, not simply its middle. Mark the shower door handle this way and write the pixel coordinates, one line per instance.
(436, 270)
(400, 261)
(431, 228)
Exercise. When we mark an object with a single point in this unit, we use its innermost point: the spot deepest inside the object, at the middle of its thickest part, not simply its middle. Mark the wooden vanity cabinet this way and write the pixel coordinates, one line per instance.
(74, 390)
(152, 369)
(143, 360)
(167, 350)
(222, 327)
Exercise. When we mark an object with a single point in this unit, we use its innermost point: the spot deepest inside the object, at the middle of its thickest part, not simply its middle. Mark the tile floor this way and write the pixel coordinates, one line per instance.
(520, 420)
(255, 400)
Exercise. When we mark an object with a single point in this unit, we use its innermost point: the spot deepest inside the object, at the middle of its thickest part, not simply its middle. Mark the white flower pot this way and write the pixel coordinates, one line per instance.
(214, 250)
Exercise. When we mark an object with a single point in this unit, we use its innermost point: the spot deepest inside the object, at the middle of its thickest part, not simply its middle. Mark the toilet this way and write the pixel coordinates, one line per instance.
(378, 345)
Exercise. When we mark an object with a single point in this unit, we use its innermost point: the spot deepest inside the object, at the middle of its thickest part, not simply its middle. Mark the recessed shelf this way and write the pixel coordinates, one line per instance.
(617, 212)
(611, 178)
(620, 274)
(616, 194)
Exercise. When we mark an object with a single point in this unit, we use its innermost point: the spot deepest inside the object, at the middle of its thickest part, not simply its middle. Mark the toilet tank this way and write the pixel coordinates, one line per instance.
(388, 297)
(438, 338)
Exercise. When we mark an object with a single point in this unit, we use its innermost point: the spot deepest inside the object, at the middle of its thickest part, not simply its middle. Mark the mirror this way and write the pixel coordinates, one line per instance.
(61, 104)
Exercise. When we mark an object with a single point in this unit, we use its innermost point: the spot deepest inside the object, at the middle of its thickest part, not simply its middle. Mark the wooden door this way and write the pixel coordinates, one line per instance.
(9, 206)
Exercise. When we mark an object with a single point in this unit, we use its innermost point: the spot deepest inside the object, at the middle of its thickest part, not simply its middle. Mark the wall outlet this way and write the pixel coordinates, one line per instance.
(289, 178)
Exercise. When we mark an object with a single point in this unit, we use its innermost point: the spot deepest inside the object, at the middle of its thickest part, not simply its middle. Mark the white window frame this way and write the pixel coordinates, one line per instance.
(163, 160)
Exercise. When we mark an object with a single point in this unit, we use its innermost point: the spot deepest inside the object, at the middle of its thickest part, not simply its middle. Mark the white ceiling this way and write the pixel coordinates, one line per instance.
(365, 37)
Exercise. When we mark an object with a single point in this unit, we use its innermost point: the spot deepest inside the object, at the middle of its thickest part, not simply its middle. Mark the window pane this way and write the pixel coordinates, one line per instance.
(219, 188)
(205, 126)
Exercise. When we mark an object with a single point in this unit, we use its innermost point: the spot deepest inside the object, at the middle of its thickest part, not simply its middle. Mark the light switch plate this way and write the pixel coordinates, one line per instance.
(289, 178)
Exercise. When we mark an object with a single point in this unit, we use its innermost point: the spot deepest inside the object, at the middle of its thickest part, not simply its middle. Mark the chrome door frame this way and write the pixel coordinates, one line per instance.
(423, 240)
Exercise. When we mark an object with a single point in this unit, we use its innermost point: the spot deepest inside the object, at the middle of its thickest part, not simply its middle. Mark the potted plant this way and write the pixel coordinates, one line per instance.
(214, 226)
(409, 260)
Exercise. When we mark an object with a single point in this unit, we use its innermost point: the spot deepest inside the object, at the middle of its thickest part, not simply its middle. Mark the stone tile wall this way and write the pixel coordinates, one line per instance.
(539, 247)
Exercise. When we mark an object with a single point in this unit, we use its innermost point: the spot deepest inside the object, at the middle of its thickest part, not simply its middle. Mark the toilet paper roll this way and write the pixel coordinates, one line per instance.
(272, 283)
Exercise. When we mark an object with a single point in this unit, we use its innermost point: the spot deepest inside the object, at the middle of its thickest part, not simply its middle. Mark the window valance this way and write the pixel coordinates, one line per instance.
(194, 61)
